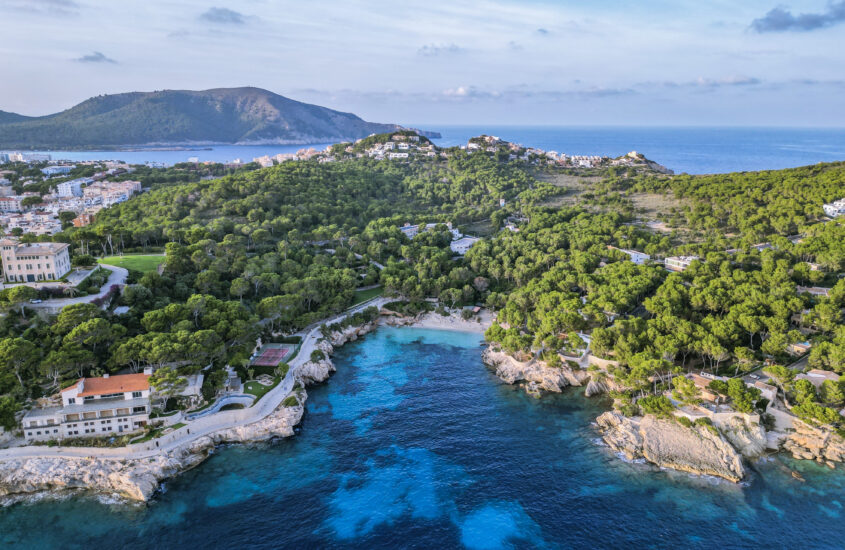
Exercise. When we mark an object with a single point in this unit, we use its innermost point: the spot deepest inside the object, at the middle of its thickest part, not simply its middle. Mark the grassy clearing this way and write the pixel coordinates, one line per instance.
(259, 390)
(364, 295)
(654, 205)
(136, 262)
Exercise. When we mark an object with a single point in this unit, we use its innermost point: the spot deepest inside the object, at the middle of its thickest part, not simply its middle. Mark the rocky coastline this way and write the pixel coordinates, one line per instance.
(668, 444)
(136, 479)
(717, 449)
(537, 375)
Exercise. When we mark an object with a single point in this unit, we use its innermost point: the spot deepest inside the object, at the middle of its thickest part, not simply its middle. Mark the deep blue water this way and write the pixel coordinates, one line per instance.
(691, 150)
(414, 443)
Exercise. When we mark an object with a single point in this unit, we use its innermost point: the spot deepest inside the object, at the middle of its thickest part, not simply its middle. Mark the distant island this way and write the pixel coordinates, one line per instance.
(178, 118)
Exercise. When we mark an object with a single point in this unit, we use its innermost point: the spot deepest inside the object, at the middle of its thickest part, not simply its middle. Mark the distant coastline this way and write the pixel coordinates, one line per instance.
(684, 150)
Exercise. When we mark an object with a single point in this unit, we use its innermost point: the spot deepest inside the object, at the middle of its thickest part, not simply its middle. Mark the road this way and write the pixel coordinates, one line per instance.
(207, 425)
(118, 277)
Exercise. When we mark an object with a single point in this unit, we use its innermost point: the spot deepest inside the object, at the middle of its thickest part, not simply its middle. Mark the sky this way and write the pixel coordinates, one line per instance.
(504, 62)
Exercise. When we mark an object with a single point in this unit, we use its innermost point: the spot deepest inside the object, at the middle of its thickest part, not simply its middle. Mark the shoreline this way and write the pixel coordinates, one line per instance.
(56, 472)
(454, 322)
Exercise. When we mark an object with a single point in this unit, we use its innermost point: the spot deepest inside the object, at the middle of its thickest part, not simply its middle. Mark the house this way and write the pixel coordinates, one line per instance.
(460, 246)
(412, 231)
(83, 219)
(702, 383)
(397, 156)
(813, 290)
(93, 407)
(679, 263)
(51, 171)
(638, 258)
(766, 390)
(818, 377)
(33, 261)
(798, 348)
(835, 209)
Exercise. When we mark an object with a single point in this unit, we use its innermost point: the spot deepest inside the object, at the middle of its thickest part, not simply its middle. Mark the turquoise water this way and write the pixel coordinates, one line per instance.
(414, 443)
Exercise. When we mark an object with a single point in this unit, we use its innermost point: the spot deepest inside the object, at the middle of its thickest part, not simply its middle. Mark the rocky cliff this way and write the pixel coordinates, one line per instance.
(668, 444)
(819, 444)
(537, 374)
(747, 438)
(136, 478)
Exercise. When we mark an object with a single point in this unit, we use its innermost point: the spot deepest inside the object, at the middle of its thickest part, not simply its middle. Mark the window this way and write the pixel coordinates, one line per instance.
(136, 394)
(71, 401)
(139, 409)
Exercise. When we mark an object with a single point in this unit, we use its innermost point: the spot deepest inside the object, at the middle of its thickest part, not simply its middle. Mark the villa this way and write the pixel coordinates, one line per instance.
(679, 263)
(818, 377)
(93, 407)
(34, 261)
(638, 258)
(835, 209)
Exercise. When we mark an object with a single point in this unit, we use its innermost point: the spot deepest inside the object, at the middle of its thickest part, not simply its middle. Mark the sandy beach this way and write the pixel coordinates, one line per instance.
(478, 323)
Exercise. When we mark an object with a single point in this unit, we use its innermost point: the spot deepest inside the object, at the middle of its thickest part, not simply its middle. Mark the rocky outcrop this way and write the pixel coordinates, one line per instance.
(810, 443)
(537, 374)
(746, 437)
(669, 444)
(314, 372)
(601, 384)
(136, 478)
(350, 334)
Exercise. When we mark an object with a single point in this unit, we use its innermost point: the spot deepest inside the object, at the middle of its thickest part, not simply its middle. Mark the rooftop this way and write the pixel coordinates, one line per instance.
(120, 383)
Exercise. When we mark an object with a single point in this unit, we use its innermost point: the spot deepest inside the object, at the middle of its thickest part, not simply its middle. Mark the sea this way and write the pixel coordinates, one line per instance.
(414, 443)
(683, 149)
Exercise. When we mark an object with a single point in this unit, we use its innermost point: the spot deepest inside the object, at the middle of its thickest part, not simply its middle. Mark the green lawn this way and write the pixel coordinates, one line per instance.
(364, 295)
(258, 390)
(136, 262)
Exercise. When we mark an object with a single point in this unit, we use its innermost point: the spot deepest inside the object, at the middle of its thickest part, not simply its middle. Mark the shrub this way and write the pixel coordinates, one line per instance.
(684, 421)
(290, 401)
(658, 405)
(317, 355)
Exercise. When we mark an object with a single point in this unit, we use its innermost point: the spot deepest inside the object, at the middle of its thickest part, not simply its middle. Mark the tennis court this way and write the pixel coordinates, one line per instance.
(271, 355)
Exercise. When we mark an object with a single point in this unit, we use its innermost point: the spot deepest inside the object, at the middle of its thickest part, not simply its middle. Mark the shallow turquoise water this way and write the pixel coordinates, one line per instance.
(414, 443)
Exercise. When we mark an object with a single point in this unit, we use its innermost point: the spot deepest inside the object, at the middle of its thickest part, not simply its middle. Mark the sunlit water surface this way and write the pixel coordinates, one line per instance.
(414, 443)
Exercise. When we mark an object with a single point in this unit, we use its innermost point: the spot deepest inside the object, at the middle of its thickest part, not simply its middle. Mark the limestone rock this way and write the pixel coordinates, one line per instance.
(811, 443)
(749, 439)
(136, 478)
(668, 444)
(537, 374)
(314, 372)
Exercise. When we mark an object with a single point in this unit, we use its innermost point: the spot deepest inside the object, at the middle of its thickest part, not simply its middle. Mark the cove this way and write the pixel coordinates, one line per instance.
(413, 442)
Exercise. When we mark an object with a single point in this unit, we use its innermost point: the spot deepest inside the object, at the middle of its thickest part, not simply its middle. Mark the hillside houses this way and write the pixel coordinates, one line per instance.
(835, 208)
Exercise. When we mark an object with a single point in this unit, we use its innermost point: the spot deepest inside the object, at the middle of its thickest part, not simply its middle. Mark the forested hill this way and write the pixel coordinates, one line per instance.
(171, 117)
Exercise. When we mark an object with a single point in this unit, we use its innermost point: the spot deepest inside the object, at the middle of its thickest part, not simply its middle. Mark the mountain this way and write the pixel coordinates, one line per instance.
(184, 117)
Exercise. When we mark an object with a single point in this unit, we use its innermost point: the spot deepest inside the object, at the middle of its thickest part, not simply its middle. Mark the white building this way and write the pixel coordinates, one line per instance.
(397, 156)
(93, 407)
(412, 231)
(463, 244)
(835, 209)
(72, 188)
(679, 263)
(10, 204)
(51, 171)
(638, 258)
